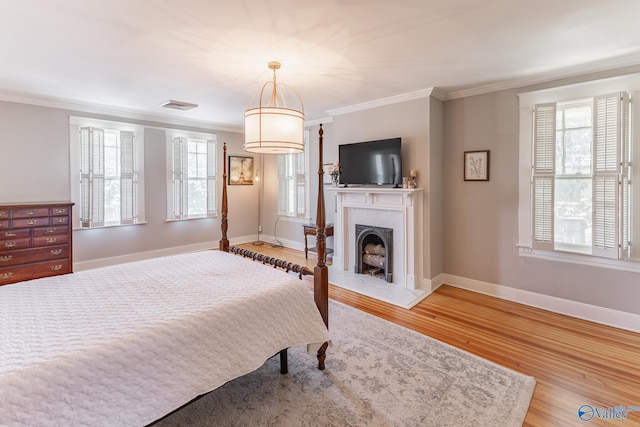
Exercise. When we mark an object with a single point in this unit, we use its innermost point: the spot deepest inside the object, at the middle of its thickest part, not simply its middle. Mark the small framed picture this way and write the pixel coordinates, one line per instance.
(240, 170)
(476, 165)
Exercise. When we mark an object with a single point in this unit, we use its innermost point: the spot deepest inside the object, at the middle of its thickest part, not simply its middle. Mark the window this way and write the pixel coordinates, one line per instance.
(192, 177)
(293, 183)
(579, 179)
(576, 192)
(108, 155)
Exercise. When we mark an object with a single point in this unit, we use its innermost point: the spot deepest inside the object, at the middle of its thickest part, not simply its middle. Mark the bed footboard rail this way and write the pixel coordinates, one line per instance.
(277, 263)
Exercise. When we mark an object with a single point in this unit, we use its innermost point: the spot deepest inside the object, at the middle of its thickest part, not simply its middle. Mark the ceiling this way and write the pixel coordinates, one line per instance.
(131, 55)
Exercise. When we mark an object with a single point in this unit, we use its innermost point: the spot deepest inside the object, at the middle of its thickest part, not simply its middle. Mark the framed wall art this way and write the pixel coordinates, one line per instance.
(476, 165)
(240, 170)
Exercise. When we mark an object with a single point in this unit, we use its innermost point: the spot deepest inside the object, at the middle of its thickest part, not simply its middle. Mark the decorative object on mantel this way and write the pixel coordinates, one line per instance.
(334, 172)
(272, 127)
(412, 180)
(476, 165)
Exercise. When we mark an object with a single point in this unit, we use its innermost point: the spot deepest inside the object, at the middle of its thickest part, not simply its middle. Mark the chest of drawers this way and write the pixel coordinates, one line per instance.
(35, 241)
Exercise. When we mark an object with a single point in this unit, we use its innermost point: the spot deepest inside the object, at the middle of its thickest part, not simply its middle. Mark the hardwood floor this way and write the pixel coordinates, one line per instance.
(574, 362)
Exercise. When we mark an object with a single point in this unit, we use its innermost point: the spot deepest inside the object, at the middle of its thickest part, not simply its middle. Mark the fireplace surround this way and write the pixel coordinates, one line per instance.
(391, 208)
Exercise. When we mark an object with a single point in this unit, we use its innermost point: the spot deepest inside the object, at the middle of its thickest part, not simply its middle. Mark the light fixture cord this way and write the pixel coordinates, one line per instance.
(274, 93)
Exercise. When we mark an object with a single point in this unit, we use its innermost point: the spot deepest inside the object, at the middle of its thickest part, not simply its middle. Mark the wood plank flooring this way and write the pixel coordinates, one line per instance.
(574, 362)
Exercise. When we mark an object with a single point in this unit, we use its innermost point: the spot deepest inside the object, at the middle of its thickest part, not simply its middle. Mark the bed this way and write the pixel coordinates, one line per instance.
(128, 344)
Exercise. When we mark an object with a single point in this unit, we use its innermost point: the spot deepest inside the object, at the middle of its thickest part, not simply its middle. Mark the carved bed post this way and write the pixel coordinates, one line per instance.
(224, 224)
(321, 271)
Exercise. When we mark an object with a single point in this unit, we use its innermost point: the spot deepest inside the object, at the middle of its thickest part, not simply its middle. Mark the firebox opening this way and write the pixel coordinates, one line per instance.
(374, 251)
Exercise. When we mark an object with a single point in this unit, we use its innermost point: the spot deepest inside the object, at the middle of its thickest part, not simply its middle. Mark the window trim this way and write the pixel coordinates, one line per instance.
(527, 100)
(75, 124)
(212, 167)
(307, 185)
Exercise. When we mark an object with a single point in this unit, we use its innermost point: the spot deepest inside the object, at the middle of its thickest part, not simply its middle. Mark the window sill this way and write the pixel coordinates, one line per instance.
(575, 258)
(190, 219)
(296, 219)
(109, 226)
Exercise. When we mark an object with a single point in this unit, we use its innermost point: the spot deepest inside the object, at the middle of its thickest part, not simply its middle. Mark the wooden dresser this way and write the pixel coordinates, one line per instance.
(35, 241)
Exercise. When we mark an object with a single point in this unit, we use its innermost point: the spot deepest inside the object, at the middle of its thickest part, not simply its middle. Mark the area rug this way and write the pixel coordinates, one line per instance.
(377, 374)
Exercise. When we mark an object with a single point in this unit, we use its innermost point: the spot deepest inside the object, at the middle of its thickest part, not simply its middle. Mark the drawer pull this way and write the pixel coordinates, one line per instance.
(10, 244)
(56, 267)
(6, 258)
(51, 239)
(31, 212)
(9, 234)
(61, 211)
(5, 276)
(51, 230)
(61, 220)
(32, 221)
(55, 251)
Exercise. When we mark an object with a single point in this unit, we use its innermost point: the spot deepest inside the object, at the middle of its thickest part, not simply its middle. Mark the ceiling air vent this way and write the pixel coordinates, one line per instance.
(178, 105)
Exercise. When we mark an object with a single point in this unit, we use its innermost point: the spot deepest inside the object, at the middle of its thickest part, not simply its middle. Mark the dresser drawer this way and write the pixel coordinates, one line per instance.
(27, 256)
(59, 220)
(63, 210)
(33, 271)
(48, 231)
(30, 213)
(12, 244)
(30, 222)
(58, 239)
(13, 234)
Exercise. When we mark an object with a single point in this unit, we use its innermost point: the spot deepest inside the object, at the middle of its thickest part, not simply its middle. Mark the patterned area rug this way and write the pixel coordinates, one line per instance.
(378, 374)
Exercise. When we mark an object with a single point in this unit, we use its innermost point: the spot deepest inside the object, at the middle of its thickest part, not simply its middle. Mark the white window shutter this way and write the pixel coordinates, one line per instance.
(127, 177)
(301, 187)
(179, 183)
(97, 177)
(85, 176)
(625, 176)
(282, 184)
(544, 146)
(211, 178)
(608, 197)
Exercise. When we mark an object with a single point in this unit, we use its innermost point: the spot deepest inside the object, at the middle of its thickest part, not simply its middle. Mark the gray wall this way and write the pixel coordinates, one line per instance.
(34, 166)
(481, 221)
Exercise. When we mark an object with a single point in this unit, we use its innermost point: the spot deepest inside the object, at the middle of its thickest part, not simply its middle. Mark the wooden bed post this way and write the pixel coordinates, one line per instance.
(224, 224)
(321, 271)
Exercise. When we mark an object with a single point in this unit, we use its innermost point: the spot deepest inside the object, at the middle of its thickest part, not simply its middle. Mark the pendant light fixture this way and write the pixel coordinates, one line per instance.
(272, 127)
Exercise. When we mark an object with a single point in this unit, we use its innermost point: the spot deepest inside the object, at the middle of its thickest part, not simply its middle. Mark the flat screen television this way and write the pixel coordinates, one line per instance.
(371, 163)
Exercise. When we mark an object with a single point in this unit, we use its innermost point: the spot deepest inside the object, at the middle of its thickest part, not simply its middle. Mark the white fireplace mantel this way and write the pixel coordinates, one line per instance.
(395, 208)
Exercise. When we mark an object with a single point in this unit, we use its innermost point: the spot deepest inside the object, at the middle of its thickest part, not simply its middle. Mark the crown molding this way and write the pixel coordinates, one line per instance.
(317, 122)
(423, 93)
(610, 69)
(119, 112)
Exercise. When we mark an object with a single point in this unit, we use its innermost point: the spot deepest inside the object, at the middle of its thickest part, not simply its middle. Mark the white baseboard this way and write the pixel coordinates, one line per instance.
(606, 316)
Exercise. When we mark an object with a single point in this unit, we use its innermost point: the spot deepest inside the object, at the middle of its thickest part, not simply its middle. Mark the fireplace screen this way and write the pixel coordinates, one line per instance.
(374, 247)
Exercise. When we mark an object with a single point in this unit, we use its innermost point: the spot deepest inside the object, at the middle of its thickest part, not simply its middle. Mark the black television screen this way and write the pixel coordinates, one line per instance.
(372, 162)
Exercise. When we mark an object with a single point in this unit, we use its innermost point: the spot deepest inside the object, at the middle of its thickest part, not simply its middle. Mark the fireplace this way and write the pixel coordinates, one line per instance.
(374, 251)
(396, 209)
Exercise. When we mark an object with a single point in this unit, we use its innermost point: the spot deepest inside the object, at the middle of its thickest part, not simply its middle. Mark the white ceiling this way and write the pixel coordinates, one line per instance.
(131, 55)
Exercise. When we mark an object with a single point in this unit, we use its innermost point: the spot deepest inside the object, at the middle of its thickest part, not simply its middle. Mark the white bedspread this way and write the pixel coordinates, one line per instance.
(127, 344)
